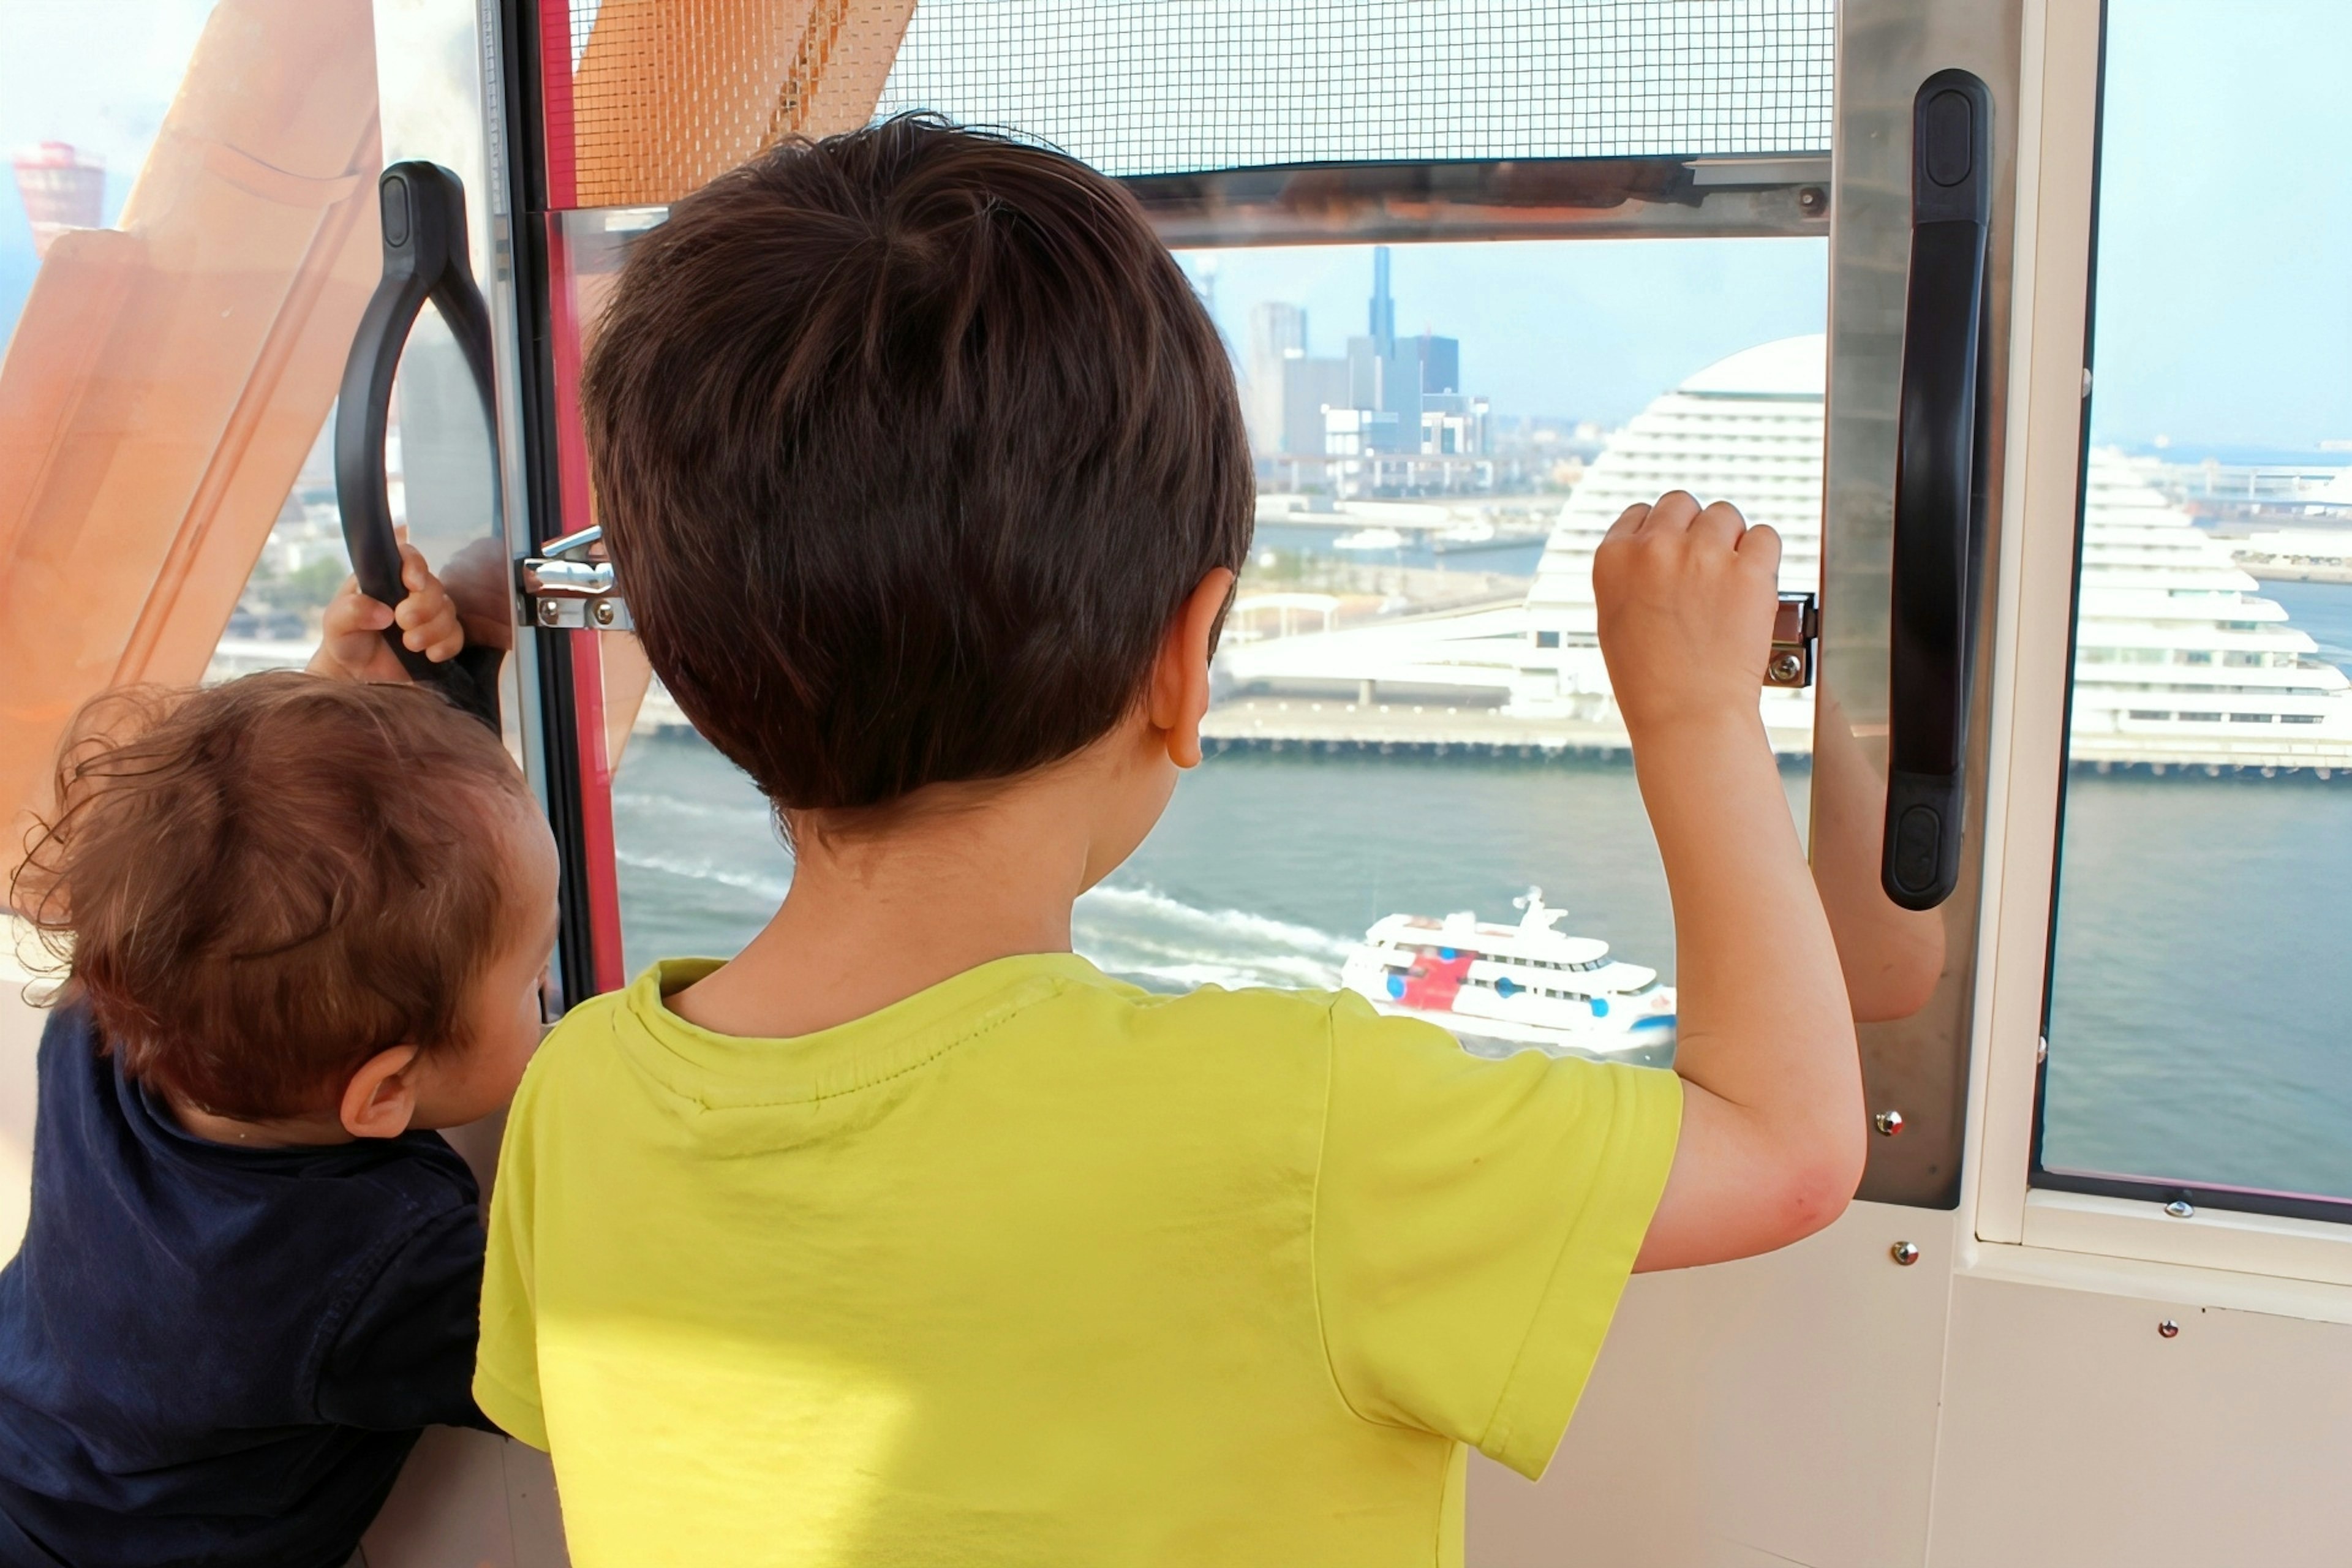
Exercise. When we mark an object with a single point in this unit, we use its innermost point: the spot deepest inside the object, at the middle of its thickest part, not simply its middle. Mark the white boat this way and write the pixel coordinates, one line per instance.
(1508, 988)
(1370, 539)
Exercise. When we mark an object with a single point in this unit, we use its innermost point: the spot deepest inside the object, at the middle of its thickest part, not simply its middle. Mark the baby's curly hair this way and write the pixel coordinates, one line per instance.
(256, 886)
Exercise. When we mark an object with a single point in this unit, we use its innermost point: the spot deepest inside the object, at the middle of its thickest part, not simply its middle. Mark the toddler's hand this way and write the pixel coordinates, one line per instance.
(1685, 599)
(351, 645)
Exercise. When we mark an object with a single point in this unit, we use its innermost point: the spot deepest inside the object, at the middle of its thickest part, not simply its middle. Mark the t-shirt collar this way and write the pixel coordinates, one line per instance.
(732, 1070)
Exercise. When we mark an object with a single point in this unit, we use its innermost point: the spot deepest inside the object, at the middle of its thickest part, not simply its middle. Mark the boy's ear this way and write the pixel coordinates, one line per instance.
(1180, 677)
(378, 1101)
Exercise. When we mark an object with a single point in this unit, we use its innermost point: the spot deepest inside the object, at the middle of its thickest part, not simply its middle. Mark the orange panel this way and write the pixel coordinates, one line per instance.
(845, 53)
(165, 382)
(669, 94)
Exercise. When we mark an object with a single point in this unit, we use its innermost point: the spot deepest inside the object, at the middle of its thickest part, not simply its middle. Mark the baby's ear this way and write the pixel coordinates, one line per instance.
(378, 1101)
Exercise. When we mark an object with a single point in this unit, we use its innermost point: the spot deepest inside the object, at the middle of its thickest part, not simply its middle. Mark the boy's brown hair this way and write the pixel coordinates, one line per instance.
(259, 885)
(909, 443)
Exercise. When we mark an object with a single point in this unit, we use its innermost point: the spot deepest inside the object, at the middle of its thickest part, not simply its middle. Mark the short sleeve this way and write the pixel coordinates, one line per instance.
(506, 1371)
(406, 1351)
(1474, 1223)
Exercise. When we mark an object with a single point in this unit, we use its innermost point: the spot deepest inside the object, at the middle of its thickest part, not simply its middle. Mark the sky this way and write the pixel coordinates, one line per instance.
(2224, 289)
(1574, 329)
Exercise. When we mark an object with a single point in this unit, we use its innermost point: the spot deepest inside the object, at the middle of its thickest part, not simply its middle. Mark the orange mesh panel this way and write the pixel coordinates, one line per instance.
(667, 94)
(846, 52)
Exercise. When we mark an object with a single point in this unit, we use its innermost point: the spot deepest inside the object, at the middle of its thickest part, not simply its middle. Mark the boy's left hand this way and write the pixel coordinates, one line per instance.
(352, 645)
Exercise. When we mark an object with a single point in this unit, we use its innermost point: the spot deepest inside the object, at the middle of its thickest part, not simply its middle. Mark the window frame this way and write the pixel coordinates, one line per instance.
(2024, 1214)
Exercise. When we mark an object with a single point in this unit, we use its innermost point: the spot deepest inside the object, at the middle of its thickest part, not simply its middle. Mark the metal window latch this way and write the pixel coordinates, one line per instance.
(1796, 641)
(566, 585)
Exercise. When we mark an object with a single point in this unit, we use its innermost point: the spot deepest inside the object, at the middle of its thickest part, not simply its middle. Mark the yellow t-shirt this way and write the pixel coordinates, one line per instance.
(1034, 1268)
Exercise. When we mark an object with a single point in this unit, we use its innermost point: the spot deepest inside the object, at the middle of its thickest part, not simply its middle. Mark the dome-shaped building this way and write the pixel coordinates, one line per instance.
(2179, 660)
(1746, 429)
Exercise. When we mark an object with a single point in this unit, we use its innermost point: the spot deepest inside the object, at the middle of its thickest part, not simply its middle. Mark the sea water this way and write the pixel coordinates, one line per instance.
(2200, 1024)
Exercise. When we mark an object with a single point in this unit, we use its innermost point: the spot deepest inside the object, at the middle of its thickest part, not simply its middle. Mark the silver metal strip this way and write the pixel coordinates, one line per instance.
(1917, 1065)
(1537, 198)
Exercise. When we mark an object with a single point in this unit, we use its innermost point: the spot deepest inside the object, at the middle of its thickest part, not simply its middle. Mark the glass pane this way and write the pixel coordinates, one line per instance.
(1412, 722)
(187, 239)
(441, 481)
(2198, 1025)
(275, 623)
(78, 113)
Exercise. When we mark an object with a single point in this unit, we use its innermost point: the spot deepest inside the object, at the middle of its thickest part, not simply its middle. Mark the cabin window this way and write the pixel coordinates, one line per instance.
(1442, 423)
(2198, 990)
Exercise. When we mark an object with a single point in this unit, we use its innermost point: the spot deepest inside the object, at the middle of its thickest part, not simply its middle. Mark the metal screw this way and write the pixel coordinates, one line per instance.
(1888, 1122)
(1811, 200)
(2180, 1208)
(1786, 667)
(1904, 1252)
(549, 613)
(603, 611)
(2168, 1329)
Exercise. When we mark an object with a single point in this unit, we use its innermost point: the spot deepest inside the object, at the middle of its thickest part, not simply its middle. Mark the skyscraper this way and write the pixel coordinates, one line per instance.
(1277, 335)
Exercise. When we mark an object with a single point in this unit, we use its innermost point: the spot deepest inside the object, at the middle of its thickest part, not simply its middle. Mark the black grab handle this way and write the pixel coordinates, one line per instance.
(424, 209)
(1939, 489)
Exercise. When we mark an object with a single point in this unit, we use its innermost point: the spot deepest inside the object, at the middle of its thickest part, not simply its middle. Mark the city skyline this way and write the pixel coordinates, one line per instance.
(1390, 393)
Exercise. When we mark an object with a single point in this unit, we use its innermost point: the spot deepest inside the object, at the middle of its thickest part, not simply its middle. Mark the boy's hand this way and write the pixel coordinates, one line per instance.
(351, 645)
(1685, 599)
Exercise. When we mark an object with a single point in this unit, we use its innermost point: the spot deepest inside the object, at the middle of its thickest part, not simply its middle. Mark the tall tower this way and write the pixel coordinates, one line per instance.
(1384, 323)
(62, 190)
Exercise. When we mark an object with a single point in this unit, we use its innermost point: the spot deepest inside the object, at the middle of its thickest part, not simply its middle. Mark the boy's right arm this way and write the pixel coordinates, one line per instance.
(1772, 1135)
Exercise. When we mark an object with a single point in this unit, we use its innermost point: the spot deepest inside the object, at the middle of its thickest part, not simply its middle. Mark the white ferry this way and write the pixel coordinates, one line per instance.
(1506, 988)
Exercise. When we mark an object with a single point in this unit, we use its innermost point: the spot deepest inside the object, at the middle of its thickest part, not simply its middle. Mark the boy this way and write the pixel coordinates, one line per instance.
(304, 922)
(906, 1235)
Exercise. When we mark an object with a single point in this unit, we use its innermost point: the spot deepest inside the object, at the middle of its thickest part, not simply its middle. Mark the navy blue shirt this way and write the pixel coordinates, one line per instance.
(221, 1355)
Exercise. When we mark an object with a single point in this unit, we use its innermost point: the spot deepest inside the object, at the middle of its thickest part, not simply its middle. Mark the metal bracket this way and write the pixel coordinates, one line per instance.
(1796, 641)
(567, 586)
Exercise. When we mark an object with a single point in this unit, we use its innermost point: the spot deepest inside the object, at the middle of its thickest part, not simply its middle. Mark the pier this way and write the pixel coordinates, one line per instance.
(1424, 730)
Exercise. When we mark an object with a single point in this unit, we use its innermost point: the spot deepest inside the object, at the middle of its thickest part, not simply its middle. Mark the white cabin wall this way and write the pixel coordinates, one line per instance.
(2074, 1433)
(1827, 1408)
(1781, 1409)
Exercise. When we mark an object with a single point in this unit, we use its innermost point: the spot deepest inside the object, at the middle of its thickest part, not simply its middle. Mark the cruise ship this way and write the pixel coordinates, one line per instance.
(1502, 989)
(2180, 662)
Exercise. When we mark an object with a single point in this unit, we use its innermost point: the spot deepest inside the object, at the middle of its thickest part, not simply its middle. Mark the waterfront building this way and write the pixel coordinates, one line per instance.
(2179, 659)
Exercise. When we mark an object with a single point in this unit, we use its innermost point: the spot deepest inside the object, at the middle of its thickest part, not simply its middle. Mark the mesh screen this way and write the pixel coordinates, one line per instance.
(1163, 86)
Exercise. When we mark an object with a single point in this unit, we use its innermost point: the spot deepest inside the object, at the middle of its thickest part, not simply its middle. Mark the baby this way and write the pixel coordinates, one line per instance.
(305, 922)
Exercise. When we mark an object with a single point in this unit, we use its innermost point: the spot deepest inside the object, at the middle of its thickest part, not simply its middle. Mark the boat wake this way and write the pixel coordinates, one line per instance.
(1142, 935)
(765, 887)
(1136, 934)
